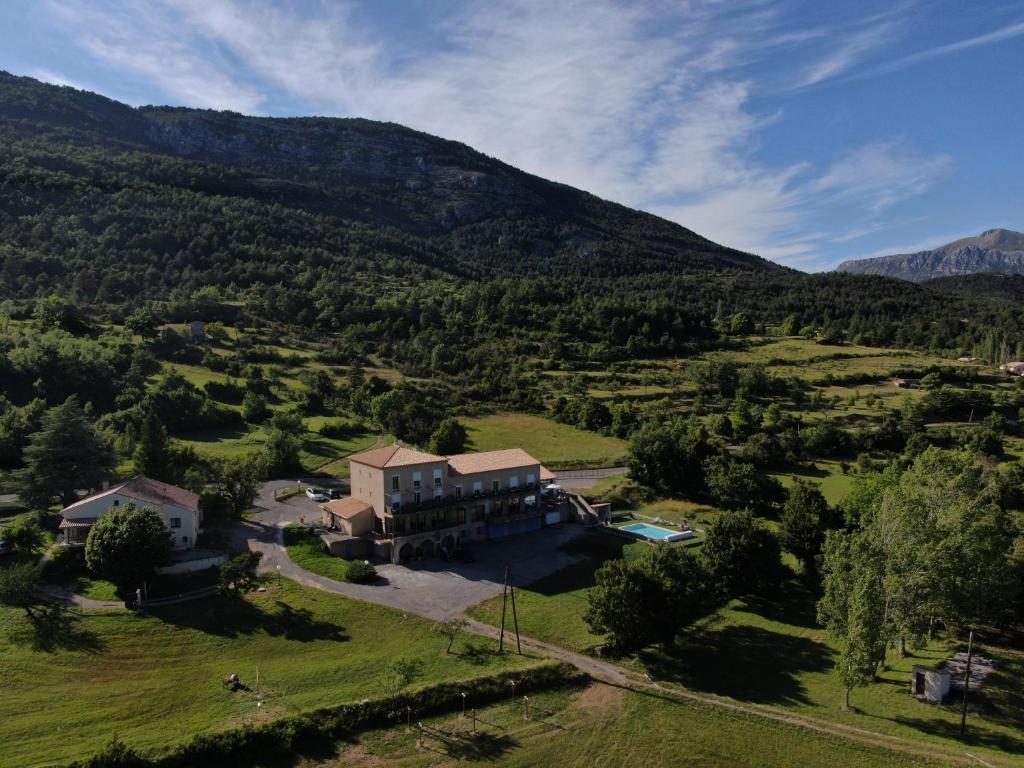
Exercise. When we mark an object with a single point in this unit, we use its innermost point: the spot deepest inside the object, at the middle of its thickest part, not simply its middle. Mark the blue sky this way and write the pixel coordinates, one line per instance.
(807, 132)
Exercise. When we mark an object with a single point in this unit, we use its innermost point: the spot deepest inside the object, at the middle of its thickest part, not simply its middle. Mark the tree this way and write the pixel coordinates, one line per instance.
(24, 537)
(806, 516)
(141, 322)
(18, 586)
(737, 485)
(648, 600)
(740, 323)
(621, 604)
(449, 437)
(789, 326)
(126, 544)
(852, 607)
(741, 555)
(239, 573)
(666, 456)
(449, 629)
(254, 408)
(152, 455)
(280, 454)
(238, 482)
(65, 455)
(398, 673)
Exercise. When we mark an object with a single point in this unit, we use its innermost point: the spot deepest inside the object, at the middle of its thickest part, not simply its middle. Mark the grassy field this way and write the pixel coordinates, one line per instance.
(71, 681)
(605, 726)
(317, 451)
(827, 475)
(554, 444)
(773, 653)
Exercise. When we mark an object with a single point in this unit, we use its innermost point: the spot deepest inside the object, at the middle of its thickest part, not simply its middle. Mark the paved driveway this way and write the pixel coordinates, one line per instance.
(432, 588)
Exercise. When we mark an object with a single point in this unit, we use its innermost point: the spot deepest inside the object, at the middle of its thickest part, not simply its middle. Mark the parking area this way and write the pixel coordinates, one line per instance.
(441, 589)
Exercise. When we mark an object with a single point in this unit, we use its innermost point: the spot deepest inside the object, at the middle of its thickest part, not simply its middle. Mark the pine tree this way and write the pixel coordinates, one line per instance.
(152, 456)
(65, 455)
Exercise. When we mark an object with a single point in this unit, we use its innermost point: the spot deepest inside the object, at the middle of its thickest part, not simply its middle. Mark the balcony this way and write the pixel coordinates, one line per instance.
(451, 499)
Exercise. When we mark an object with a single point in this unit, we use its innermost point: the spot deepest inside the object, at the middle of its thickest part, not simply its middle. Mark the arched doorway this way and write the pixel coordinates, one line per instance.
(405, 553)
(427, 548)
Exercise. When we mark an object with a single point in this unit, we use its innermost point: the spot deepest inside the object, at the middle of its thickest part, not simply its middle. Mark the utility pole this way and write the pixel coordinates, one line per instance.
(504, 604)
(967, 684)
(515, 619)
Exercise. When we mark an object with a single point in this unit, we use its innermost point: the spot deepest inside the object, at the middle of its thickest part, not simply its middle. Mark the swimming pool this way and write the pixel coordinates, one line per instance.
(656, 533)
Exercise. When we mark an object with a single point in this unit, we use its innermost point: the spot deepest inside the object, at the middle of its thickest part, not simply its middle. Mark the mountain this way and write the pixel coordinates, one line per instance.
(997, 250)
(181, 198)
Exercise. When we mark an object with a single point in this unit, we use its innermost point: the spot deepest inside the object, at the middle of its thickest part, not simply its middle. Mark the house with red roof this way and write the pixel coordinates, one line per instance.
(178, 507)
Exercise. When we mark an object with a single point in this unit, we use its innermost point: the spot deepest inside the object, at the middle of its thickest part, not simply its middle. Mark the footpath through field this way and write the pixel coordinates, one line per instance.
(264, 533)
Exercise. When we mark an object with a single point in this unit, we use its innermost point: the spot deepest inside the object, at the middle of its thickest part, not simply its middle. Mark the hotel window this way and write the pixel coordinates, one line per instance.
(458, 491)
(394, 482)
(437, 478)
(478, 486)
(495, 485)
(175, 522)
(530, 478)
(417, 479)
(514, 481)
(416, 497)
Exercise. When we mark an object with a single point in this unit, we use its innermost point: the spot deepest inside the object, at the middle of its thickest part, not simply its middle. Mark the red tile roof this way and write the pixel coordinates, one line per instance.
(148, 491)
(490, 461)
(347, 508)
(394, 456)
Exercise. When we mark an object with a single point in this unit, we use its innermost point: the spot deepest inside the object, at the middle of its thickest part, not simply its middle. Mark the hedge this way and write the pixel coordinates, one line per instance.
(314, 733)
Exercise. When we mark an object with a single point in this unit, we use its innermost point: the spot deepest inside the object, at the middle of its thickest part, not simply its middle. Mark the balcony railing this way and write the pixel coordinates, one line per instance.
(451, 499)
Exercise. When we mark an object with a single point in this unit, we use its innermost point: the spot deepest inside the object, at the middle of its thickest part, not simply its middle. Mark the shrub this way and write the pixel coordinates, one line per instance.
(360, 572)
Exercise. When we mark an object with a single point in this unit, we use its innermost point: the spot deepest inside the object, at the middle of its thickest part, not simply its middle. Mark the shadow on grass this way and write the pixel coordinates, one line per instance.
(53, 628)
(744, 662)
(460, 745)
(976, 735)
(237, 617)
(792, 604)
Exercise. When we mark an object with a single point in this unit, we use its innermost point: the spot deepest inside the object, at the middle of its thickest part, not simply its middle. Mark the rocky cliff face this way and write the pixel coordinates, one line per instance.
(997, 250)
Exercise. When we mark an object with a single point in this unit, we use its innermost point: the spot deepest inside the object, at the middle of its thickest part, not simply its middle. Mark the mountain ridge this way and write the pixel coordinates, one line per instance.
(468, 213)
(993, 251)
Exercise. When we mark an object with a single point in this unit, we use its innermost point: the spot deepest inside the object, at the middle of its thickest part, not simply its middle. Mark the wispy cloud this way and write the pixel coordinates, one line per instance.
(996, 36)
(650, 105)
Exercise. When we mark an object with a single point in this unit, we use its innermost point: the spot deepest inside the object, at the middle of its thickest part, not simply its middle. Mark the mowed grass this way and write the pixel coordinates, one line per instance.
(554, 444)
(316, 452)
(606, 726)
(306, 550)
(773, 653)
(72, 682)
(827, 475)
(552, 608)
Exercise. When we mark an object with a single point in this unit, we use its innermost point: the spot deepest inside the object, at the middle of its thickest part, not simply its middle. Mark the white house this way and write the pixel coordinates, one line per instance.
(178, 508)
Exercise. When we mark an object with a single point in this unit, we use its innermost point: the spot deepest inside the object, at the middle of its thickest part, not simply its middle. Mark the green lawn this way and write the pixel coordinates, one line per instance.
(605, 726)
(771, 652)
(72, 682)
(554, 444)
(317, 451)
(827, 475)
(552, 608)
(306, 550)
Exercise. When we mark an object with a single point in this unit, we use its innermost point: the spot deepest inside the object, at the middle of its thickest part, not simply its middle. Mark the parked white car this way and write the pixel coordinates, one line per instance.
(317, 494)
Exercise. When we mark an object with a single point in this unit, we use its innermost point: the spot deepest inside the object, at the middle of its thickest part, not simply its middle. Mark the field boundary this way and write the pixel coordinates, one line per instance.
(298, 734)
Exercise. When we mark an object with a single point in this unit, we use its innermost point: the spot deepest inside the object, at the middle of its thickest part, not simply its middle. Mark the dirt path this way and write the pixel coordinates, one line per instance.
(263, 534)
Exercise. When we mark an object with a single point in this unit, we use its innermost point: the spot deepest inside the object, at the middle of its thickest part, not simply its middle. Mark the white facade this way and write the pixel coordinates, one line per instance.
(182, 523)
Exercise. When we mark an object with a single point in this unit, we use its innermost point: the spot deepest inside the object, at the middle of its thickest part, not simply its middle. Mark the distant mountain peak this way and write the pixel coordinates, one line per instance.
(994, 250)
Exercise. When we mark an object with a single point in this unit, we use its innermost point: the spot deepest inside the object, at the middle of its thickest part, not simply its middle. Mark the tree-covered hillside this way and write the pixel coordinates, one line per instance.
(402, 242)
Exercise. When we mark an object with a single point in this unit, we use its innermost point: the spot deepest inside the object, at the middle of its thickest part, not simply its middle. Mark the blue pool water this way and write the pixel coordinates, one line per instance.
(654, 532)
